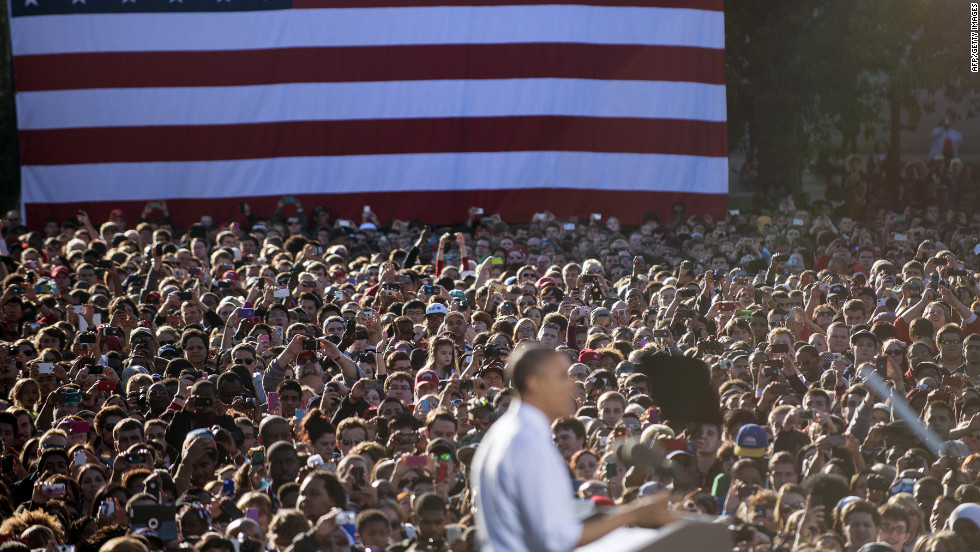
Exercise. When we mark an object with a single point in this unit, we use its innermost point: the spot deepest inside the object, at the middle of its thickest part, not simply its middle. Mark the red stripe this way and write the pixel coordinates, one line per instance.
(432, 207)
(373, 136)
(712, 5)
(362, 64)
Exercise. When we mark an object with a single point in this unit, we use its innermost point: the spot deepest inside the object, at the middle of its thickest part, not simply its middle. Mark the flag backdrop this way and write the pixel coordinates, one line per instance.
(419, 109)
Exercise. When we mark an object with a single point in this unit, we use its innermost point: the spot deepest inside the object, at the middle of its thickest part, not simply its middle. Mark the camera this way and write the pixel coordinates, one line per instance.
(110, 331)
(134, 458)
(311, 345)
(491, 351)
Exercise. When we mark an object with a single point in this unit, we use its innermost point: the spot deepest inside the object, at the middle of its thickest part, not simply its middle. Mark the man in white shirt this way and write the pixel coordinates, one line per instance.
(523, 493)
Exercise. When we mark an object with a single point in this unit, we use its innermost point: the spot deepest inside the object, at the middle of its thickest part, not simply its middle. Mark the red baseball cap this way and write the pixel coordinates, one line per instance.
(230, 275)
(117, 213)
(426, 376)
(60, 271)
(586, 355)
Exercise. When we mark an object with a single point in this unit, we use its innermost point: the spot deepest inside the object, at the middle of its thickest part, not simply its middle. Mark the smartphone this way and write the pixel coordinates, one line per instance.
(80, 458)
(258, 457)
(687, 293)
(252, 513)
(900, 237)
(78, 427)
(45, 368)
(71, 397)
(104, 264)
(281, 293)
(596, 216)
(110, 331)
(106, 386)
(311, 345)
(661, 333)
(653, 415)
(806, 415)
(299, 414)
(52, 490)
(417, 461)
(881, 366)
(245, 312)
(835, 441)
(273, 403)
(228, 488)
(430, 290)
(135, 458)
(780, 348)
(279, 333)
(797, 222)
(685, 313)
(96, 369)
(568, 226)
(373, 385)
(184, 295)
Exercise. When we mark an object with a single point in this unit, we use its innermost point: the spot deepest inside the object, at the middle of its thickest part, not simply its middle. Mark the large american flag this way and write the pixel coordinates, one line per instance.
(419, 109)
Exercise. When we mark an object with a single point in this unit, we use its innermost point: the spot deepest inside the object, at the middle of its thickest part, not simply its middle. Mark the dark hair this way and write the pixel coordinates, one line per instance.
(314, 426)
(429, 502)
(525, 361)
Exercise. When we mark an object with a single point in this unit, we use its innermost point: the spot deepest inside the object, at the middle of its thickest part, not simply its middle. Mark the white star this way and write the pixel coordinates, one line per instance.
(130, 1)
(30, 3)
(177, 1)
(220, 1)
(73, 2)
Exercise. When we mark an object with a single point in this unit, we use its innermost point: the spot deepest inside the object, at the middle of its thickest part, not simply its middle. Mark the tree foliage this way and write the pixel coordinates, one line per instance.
(806, 78)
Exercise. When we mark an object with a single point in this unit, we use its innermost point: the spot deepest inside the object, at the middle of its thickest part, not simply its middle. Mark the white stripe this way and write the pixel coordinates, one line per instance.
(375, 173)
(369, 100)
(366, 27)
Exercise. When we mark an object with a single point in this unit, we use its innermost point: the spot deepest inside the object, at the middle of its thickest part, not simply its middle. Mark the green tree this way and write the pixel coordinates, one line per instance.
(805, 79)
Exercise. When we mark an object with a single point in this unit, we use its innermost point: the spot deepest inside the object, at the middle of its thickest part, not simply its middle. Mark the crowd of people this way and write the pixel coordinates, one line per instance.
(296, 383)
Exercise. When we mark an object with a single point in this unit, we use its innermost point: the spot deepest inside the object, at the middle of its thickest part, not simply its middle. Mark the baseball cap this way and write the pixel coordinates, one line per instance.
(230, 276)
(751, 441)
(60, 271)
(436, 308)
(117, 213)
(837, 289)
(863, 333)
(426, 377)
(455, 313)
(458, 294)
(545, 281)
(587, 354)
(491, 368)
(763, 221)
(968, 511)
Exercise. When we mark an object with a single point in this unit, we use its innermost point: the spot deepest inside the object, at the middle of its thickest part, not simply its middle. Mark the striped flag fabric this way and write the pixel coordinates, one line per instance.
(419, 109)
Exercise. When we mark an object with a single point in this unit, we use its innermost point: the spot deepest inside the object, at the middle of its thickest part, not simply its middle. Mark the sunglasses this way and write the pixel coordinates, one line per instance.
(246, 361)
(895, 352)
(351, 442)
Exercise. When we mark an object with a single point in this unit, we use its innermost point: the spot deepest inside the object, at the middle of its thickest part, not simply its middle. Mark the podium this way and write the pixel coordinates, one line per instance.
(691, 533)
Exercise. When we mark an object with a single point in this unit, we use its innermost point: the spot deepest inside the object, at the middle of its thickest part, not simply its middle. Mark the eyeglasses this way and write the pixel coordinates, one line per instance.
(895, 352)
(825, 313)
(247, 361)
(526, 303)
(792, 506)
(308, 360)
(293, 222)
(351, 442)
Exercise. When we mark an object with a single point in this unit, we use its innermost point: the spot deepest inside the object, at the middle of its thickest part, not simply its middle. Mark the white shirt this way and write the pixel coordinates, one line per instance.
(523, 492)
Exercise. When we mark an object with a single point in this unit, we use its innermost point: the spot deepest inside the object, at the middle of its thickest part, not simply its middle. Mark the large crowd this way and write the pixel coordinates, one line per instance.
(291, 382)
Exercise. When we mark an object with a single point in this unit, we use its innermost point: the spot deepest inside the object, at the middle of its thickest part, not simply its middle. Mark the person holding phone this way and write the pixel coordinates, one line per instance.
(523, 496)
